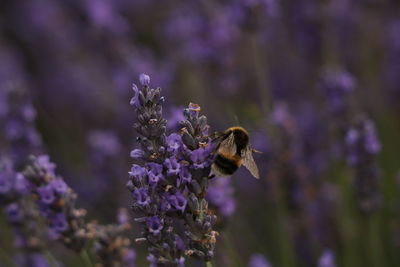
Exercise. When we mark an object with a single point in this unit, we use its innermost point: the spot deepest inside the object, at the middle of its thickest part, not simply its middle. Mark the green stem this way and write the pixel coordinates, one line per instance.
(261, 72)
(5, 258)
(85, 258)
(230, 249)
(50, 257)
(209, 264)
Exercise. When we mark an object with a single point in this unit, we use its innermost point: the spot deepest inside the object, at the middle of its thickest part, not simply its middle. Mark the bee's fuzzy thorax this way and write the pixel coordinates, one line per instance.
(241, 137)
(237, 128)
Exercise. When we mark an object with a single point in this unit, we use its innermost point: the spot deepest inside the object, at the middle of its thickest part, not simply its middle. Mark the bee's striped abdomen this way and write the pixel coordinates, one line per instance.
(225, 165)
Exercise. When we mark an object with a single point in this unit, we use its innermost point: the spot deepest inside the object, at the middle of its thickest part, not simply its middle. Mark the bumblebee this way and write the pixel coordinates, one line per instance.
(233, 151)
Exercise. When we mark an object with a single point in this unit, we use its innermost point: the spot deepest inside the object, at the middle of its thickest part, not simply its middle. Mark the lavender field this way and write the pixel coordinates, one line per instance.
(109, 112)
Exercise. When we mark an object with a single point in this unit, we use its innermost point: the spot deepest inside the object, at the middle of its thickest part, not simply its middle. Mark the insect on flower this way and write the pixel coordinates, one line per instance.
(233, 151)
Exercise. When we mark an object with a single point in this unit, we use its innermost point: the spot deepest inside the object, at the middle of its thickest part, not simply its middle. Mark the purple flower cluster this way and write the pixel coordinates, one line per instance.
(357, 135)
(56, 202)
(363, 145)
(22, 216)
(36, 197)
(12, 184)
(18, 135)
(301, 166)
(362, 140)
(337, 84)
(170, 181)
(17, 117)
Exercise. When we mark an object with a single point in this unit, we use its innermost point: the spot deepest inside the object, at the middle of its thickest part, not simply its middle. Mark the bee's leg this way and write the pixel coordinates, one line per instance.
(211, 176)
(214, 136)
(256, 151)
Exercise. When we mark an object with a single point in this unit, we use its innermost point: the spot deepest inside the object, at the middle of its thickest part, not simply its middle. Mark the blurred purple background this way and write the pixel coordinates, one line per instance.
(316, 83)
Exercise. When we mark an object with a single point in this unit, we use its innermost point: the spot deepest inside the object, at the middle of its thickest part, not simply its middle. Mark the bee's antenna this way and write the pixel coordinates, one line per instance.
(237, 120)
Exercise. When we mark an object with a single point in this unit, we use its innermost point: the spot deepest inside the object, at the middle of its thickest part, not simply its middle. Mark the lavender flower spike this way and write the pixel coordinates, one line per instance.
(57, 203)
(22, 216)
(363, 145)
(170, 180)
(111, 246)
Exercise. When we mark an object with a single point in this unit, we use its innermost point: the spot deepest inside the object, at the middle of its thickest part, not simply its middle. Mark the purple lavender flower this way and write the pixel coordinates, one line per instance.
(58, 185)
(128, 257)
(174, 142)
(174, 117)
(137, 172)
(176, 262)
(144, 79)
(57, 202)
(58, 222)
(178, 201)
(136, 154)
(372, 143)
(142, 197)
(184, 176)
(46, 194)
(123, 216)
(21, 185)
(14, 213)
(154, 225)
(155, 172)
(258, 260)
(173, 167)
(198, 158)
(43, 162)
(135, 99)
(327, 259)
(153, 179)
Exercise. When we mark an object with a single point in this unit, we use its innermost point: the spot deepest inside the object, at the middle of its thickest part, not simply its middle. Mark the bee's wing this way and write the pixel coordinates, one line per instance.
(249, 163)
(228, 146)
